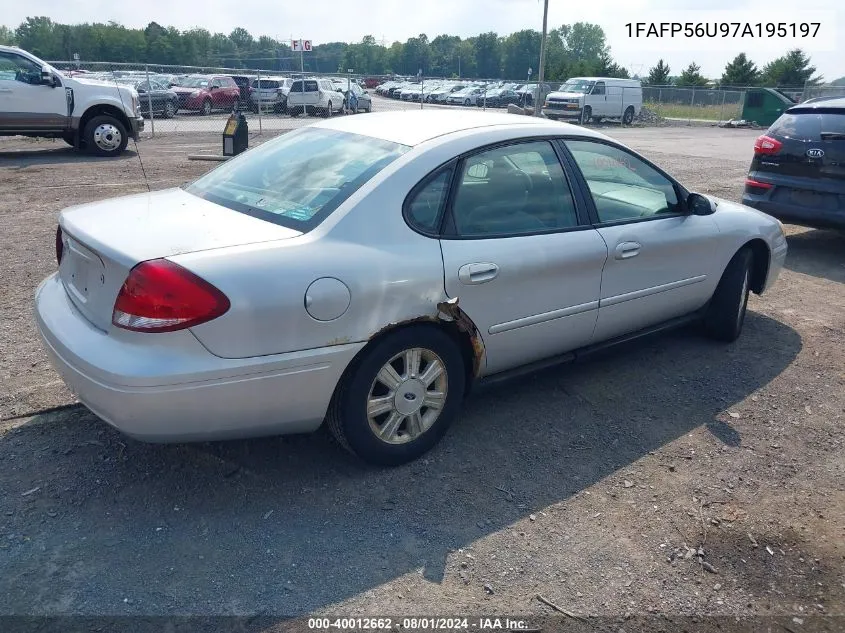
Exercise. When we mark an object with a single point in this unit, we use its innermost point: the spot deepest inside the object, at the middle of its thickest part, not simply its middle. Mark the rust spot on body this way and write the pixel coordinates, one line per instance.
(453, 312)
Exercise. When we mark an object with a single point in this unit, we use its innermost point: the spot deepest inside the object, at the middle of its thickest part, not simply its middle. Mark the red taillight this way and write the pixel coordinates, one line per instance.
(767, 145)
(160, 296)
(757, 184)
(60, 245)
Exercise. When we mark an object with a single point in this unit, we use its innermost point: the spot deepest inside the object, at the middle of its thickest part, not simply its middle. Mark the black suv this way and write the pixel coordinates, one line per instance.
(798, 170)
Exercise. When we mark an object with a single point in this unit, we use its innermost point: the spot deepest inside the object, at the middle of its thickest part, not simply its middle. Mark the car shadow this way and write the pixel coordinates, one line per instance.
(290, 525)
(59, 154)
(818, 253)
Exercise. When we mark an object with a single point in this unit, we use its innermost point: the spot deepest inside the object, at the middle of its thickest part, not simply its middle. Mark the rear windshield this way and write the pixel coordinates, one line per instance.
(808, 126)
(298, 179)
(265, 84)
(310, 86)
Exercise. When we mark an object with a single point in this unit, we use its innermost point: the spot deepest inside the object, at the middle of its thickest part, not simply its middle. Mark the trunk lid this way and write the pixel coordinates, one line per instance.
(104, 240)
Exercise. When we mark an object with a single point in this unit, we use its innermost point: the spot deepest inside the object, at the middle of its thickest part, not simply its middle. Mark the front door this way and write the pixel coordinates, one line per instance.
(524, 265)
(25, 102)
(661, 261)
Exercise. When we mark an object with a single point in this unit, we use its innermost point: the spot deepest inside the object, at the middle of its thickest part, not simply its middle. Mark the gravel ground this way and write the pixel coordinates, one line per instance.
(667, 478)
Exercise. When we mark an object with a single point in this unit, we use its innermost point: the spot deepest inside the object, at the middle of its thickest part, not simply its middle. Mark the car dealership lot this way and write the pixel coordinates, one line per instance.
(584, 484)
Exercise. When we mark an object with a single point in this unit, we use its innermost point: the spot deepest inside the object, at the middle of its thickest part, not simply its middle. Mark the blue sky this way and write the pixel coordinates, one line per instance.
(350, 20)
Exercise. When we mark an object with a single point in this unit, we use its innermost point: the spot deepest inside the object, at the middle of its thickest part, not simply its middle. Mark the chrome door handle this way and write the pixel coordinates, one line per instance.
(626, 250)
(477, 273)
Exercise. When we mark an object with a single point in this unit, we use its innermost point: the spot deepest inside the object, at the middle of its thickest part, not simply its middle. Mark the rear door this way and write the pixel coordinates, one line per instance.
(661, 261)
(518, 253)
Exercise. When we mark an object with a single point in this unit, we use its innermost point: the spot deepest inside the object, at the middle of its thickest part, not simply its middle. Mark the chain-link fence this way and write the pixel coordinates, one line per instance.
(191, 99)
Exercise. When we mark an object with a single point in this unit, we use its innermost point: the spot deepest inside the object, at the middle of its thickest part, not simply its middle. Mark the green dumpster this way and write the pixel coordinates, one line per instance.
(764, 105)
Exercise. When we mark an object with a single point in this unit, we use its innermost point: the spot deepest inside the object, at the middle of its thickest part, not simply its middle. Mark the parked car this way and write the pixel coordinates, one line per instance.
(365, 101)
(244, 82)
(467, 97)
(596, 98)
(462, 247)
(314, 96)
(529, 94)
(206, 93)
(498, 98)
(798, 170)
(164, 101)
(39, 101)
(269, 94)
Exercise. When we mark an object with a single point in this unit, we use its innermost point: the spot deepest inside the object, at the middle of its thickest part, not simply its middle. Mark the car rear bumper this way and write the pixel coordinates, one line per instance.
(170, 388)
(797, 214)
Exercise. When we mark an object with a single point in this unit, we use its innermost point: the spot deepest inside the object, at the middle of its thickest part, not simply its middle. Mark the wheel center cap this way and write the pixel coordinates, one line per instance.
(409, 397)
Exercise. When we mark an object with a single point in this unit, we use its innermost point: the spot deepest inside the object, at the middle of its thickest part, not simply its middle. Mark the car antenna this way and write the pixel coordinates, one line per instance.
(134, 140)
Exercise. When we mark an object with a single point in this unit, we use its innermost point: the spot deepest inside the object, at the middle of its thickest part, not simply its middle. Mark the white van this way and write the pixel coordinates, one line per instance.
(596, 98)
(314, 96)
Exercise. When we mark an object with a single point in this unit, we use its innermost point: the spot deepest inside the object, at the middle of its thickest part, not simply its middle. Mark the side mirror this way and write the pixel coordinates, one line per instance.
(213, 87)
(47, 77)
(698, 204)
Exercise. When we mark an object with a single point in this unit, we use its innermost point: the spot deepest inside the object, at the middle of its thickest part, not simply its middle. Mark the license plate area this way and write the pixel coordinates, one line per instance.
(81, 271)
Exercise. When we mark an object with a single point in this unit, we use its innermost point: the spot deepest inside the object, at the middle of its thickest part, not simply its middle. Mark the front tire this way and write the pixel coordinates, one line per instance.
(206, 107)
(400, 398)
(586, 114)
(170, 110)
(329, 111)
(726, 312)
(105, 136)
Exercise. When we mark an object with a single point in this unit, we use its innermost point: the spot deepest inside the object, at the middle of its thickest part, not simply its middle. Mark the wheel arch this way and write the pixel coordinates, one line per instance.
(107, 110)
(761, 258)
(456, 325)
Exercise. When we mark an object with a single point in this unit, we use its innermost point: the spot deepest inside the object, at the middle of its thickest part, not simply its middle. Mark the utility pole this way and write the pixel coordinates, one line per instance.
(538, 107)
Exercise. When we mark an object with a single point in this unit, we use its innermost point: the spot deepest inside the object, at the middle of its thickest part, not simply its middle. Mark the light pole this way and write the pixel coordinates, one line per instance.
(538, 109)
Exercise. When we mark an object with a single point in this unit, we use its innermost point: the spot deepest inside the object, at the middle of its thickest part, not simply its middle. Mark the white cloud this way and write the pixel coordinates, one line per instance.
(350, 20)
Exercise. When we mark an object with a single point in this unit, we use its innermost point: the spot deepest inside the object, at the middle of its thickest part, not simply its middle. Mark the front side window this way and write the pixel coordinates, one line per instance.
(514, 190)
(598, 89)
(298, 179)
(623, 186)
(17, 68)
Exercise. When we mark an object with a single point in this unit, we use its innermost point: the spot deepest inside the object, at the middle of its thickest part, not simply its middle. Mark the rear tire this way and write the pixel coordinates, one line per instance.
(362, 425)
(726, 312)
(628, 117)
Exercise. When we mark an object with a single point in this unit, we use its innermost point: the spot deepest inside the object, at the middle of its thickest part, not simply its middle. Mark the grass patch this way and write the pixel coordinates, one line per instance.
(706, 112)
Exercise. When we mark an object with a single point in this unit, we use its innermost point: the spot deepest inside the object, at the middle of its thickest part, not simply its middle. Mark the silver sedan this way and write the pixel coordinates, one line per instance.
(366, 271)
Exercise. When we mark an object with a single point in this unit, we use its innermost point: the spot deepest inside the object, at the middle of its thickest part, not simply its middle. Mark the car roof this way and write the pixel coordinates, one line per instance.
(412, 127)
(826, 104)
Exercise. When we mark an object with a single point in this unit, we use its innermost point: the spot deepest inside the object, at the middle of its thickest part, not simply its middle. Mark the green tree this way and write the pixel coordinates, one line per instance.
(791, 70)
(606, 67)
(658, 75)
(40, 37)
(740, 72)
(520, 51)
(7, 36)
(838, 82)
(488, 56)
(691, 77)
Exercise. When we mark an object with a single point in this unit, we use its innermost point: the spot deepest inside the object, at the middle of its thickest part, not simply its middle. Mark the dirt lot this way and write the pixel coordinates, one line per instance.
(588, 484)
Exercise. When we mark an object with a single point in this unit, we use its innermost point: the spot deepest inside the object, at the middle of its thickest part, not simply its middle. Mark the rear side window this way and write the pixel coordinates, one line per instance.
(298, 179)
(423, 208)
(807, 126)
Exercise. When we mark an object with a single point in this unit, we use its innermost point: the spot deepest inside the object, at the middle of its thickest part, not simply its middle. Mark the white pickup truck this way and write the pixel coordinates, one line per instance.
(38, 100)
